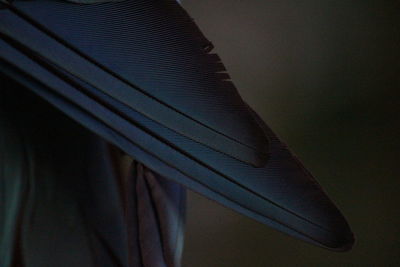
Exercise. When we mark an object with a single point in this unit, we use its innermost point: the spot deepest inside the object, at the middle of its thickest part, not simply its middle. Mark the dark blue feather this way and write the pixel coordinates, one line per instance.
(171, 111)
(65, 202)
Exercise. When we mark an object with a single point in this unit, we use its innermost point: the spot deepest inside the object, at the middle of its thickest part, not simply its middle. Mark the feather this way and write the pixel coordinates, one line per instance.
(58, 215)
(72, 215)
(195, 143)
(206, 119)
(293, 204)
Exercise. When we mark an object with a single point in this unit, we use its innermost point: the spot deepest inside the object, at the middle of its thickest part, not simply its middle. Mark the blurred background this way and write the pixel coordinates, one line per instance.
(325, 76)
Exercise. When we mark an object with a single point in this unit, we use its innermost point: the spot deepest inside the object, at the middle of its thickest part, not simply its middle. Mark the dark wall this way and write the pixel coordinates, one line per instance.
(324, 75)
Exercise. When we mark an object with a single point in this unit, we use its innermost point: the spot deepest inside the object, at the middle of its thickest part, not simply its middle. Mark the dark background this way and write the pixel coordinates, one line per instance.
(324, 76)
